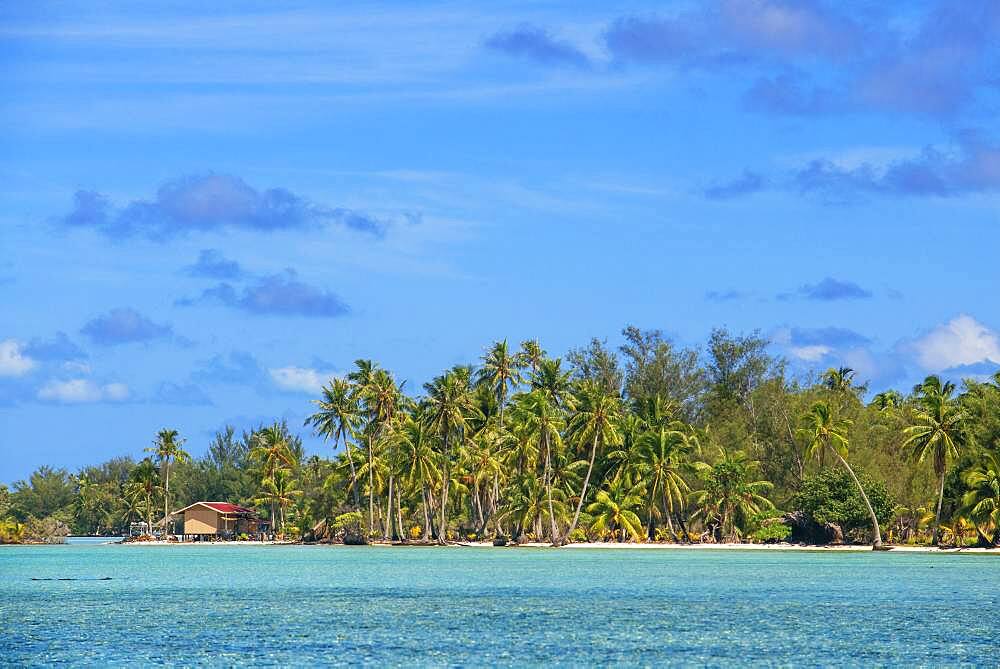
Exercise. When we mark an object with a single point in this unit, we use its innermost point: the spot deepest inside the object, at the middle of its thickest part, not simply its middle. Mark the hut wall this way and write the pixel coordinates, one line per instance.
(201, 520)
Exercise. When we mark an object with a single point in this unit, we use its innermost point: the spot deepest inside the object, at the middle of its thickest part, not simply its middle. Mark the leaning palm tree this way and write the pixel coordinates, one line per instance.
(168, 448)
(823, 431)
(595, 422)
(936, 433)
(983, 499)
(338, 418)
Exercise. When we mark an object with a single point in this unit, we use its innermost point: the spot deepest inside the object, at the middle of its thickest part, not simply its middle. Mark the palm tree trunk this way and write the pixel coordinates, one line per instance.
(166, 497)
(371, 488)
(877, 544)
(443, 530)
(937, 516)
(388, 513)
(548, 488)
(427, 517)
(354, 473)
(583, 493)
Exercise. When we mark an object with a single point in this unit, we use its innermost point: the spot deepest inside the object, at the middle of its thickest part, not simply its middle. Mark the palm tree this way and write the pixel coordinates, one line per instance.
(279, 489)
(662, 458)
(450, 405)
(840, 380)
(530, 355)
(271, 451)
(731, 495)
(614, 510)
(890, 399)
(983, 498)
(936, 433)
(141, 487)
(421, 469)
(499, 372)
(541, 418)
(338, 418)
(595, 421)
(823, 431)
(168, 447)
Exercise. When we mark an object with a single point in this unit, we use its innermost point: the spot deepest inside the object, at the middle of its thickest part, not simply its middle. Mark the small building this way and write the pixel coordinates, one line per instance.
(205, 521)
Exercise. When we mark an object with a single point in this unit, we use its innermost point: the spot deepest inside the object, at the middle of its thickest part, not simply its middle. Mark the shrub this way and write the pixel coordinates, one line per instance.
(578, 535)
(830, 496)
(416, 532)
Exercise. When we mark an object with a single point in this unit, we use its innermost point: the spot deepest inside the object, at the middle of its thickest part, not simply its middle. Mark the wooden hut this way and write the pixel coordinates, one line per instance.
(205, 521)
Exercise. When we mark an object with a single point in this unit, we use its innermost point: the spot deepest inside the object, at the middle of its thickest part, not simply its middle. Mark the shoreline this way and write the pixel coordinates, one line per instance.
(786, 547)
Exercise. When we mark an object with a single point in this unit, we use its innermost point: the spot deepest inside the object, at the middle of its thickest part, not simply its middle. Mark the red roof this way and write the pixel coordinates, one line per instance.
(224, 507)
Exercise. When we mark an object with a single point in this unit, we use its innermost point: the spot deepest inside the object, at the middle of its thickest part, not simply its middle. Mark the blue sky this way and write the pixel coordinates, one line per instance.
(209, 208)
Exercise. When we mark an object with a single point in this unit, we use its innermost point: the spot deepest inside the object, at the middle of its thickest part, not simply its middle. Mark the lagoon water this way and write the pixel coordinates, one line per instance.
(302, 605)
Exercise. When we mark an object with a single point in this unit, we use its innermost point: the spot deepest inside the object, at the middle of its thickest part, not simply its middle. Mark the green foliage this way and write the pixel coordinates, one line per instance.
(351, 521)
(830, 496)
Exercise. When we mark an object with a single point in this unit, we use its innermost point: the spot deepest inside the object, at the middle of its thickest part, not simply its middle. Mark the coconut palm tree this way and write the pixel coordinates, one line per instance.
(279, 489)
(839, 380)
(662, 460)
(499, 373)
(614, 510)
(822, 431)
(731, 495)
(450, 405)
(982, 501)
(530, 355)
(421, 470)
(271, 451)
(337, 418)
(541, 417)
(936, 433)
(142, 486)
(887, 400)
(168, 448)
(594, 422)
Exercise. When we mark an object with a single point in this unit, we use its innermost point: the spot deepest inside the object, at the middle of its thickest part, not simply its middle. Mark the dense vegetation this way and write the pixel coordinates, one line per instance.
(649, 442)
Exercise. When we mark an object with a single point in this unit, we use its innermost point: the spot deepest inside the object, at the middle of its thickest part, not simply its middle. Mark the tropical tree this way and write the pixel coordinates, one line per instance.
(614, 510)
(662, 460)
(731, 496)
(280, 490)
(337, 418)
(271, 451)
(594, 422)
(936, 433)
(141, 488)
(168, 448)
(982, 501)
(823, 431)
(450, 406)
(499, 373)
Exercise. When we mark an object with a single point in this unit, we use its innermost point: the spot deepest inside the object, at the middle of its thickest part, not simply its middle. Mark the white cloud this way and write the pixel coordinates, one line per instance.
(961, 341)
(810, 353)
(300, 379)
(81, 391)
(12, 361)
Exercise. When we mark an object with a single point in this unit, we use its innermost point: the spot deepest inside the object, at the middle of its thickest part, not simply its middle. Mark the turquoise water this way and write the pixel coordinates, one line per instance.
(301, 605)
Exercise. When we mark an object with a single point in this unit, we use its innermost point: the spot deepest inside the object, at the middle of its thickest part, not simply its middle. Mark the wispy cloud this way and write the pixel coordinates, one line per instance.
(830, 289)
(277, 295)
(537, 44)
(123, 326)
(747, 184)
(83, 391)
(187, 394)
(210, 202)
(212, 264)
(13, 359)
(301, 379)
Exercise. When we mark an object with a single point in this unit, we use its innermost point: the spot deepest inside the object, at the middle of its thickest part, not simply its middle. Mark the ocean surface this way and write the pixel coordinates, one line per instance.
(303, 605)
